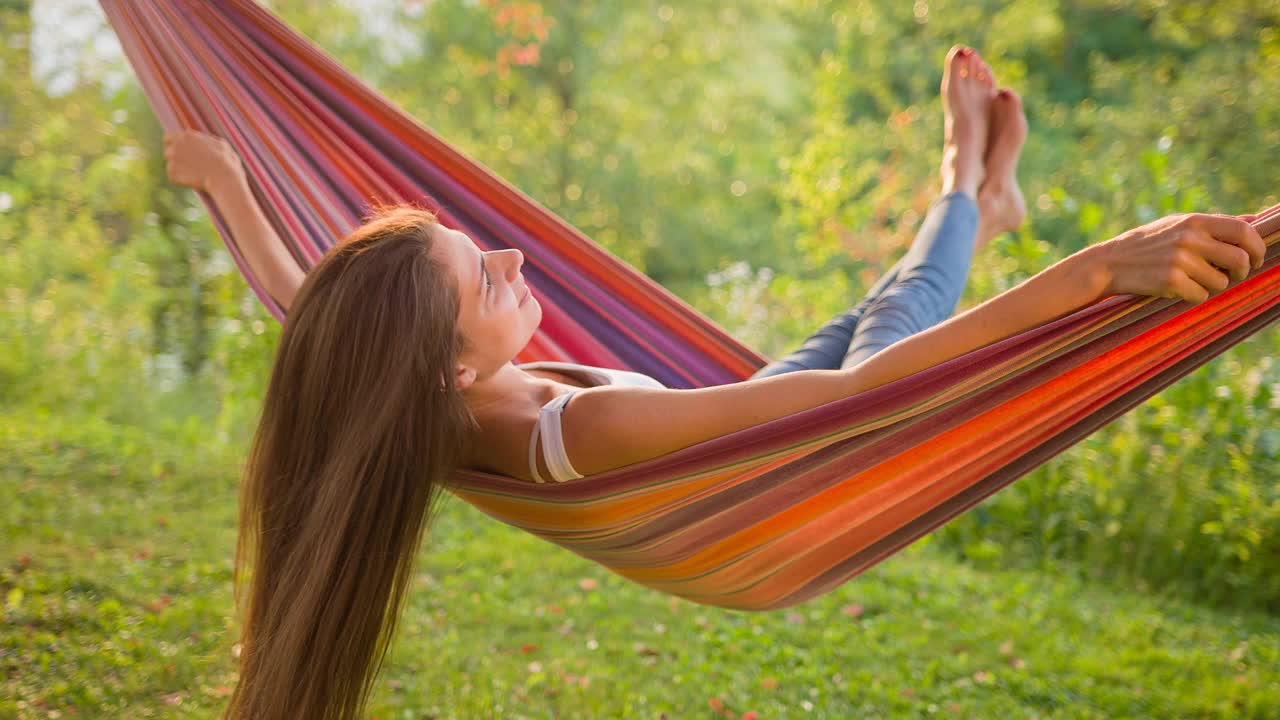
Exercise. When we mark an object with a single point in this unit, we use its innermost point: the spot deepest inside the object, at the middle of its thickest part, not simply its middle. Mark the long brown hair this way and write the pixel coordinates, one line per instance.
(360, 430)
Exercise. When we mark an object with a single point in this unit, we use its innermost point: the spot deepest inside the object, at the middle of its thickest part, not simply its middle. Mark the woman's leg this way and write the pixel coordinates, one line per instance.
(825, 348)
(934, 271)
(929, 284)
(920, 290)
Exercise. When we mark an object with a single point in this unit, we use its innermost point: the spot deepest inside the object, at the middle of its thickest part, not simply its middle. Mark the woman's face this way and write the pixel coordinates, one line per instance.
(497, 313)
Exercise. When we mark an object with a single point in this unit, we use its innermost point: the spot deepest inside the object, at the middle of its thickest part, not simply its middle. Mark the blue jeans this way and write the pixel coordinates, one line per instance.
(918, 292)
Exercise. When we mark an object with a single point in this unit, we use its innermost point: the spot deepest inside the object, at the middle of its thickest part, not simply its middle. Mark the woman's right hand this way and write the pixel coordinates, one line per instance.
(199, 160)
(1184, 256)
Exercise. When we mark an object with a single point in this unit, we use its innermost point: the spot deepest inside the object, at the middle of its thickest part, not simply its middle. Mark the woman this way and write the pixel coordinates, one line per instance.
(394, 368)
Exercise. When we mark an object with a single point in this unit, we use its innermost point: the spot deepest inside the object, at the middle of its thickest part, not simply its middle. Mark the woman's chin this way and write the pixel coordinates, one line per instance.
(536, 322)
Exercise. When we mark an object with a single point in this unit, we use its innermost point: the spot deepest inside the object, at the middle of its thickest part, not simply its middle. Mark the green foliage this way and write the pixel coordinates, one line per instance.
(648, 129)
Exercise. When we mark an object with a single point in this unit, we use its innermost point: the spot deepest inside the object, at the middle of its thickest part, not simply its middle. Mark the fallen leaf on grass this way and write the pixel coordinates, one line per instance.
(853, 611)
(643, 649)
(587, 584)
(528, 648)
(718, 705)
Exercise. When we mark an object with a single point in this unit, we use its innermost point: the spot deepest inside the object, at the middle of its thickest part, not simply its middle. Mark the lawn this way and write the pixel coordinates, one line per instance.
(116, 583)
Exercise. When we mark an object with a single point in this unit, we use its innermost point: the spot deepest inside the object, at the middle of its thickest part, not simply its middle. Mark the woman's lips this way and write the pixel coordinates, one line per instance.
(527, 295)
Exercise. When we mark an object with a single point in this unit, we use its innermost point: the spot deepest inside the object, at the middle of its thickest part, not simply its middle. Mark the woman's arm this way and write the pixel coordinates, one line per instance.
(607, 428)
(266, 254)
(205, 162)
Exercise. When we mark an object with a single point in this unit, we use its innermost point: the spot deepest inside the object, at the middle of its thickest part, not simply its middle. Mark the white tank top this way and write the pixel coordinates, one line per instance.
(548, 424)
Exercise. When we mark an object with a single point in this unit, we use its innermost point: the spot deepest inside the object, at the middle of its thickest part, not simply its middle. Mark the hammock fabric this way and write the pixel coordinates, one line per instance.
(764, 518)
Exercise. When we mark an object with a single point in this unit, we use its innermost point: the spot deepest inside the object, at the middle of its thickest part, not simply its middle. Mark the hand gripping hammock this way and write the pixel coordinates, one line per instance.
(764, 518)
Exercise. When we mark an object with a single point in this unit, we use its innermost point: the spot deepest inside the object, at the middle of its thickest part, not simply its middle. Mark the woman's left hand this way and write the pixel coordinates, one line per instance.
(199, 160)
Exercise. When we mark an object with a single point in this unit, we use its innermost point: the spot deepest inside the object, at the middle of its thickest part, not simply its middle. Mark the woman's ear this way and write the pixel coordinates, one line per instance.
(463, 377)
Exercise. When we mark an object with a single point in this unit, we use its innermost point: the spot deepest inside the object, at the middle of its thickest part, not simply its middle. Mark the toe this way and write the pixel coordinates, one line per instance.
(1007, 108)
(1009, 131)
(958, 61)
(1019, 115)
(987, 76)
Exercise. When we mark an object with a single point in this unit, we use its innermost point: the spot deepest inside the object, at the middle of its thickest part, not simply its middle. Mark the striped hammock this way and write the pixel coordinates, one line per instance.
(764, 518)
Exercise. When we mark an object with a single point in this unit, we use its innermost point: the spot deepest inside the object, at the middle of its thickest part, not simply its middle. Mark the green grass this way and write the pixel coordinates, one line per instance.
(116, 583)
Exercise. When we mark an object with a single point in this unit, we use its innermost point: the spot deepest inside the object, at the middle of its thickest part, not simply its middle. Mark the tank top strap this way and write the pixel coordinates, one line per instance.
(548, 425)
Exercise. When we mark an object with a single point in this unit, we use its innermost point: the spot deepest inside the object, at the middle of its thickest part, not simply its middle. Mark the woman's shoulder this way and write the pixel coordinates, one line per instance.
(501, 443)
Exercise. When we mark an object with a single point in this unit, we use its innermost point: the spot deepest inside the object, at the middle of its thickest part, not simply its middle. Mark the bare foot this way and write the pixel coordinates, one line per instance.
(967, 91)
(1000, 204)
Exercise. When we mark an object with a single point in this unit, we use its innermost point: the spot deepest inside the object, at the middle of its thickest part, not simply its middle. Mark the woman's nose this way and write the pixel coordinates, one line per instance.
(514, 260)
